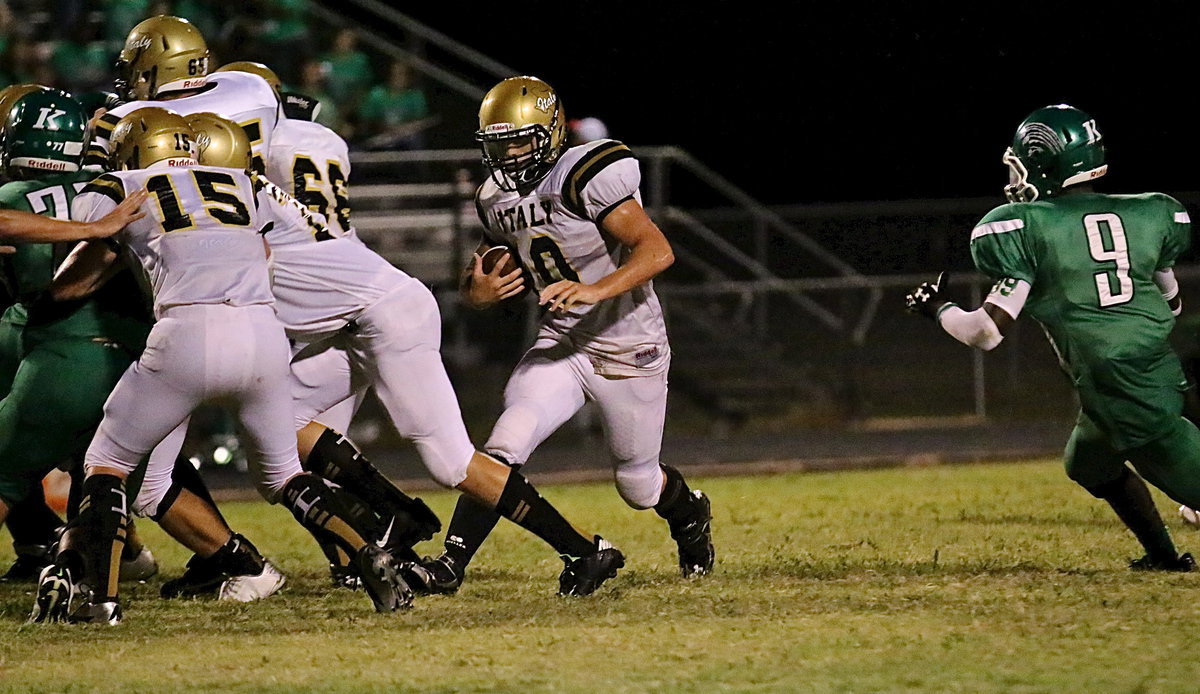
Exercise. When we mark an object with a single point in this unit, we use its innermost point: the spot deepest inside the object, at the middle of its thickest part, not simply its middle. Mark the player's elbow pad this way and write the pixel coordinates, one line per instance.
(975, 328)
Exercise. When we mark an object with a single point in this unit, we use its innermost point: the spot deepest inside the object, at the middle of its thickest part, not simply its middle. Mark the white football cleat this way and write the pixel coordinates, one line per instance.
(248, 588)
(1189, 516)
(140, 568)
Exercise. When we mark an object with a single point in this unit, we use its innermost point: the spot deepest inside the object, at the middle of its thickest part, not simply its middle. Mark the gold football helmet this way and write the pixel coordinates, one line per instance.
(161, 54)
(220, 141)
(522, 130)
(13, 93)
(254, 69)
(149, 135)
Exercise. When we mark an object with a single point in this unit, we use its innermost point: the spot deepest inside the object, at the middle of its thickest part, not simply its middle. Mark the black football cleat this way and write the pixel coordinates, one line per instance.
(344, 577)
(236, 572)
(56, 594)
(584, 575)
(387, 589)
(694, 538)
(202, 577)
(107, 613)
(433, 576)
(31, 559)
(1183, 563)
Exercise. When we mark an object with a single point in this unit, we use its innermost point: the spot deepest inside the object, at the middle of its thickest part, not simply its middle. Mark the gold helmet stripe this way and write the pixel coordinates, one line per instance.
(588, 167)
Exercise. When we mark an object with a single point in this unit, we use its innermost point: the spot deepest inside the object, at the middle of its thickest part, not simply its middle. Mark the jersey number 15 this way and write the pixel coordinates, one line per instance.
(222, 205)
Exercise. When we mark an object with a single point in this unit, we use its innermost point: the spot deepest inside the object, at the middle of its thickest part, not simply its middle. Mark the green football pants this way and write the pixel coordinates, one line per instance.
(1170, 462)
(52, 409)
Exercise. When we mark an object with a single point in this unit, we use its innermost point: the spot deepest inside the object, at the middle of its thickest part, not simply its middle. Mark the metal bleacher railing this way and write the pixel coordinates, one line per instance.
(767, 322)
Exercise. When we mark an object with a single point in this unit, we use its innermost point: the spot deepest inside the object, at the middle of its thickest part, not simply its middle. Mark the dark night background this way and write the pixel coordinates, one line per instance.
(805, 102)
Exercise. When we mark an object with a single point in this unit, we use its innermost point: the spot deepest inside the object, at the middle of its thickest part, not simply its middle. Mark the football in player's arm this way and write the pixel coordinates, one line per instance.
(649, 254)
(1095, 271)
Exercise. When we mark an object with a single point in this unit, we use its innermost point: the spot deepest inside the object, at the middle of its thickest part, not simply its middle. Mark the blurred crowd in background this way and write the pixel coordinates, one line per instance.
(374, 102)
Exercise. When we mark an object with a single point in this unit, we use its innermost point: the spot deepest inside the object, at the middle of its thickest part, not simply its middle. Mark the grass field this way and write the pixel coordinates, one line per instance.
(988, 578)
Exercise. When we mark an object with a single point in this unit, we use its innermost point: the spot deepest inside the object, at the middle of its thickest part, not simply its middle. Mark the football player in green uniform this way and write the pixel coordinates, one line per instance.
(1096, 271)
(58, 361)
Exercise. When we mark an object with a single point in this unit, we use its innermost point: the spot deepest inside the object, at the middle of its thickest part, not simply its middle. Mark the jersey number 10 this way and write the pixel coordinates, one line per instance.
(1115, 251)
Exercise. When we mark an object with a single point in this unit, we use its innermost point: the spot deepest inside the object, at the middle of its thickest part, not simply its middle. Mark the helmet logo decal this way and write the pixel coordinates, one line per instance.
(202, 142)
(545, 103)
(1040, 136)
(1093, 133)
(48, 118)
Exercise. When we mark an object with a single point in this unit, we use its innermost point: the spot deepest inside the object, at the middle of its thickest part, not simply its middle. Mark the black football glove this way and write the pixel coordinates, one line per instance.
(927, 298)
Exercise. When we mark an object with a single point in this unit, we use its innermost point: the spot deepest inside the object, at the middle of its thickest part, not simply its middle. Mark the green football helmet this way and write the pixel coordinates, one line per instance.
(91, 101)
(44, 131)
(1055, 147)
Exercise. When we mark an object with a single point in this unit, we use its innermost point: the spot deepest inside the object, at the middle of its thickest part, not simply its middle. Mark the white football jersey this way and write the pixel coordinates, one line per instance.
(199, 242)
(241, 97)
(555, 229)
(322, 279)
(312, 163)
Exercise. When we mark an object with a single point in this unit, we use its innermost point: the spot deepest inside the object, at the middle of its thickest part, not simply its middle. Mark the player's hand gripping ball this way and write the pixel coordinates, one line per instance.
(497, 255)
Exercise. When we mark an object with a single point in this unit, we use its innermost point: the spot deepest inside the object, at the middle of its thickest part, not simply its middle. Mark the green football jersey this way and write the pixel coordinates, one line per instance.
(1090, 259)
(29, 271)
(117, 311)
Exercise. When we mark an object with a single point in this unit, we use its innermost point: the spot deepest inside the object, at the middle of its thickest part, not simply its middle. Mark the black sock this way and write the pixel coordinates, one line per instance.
(676, 503)
(237, 557)
(32, 523)
(470, 525)
(185, 476)
(521, 504)
(359, 517)
(75, 495)
(322, 511)
(101, 527)
(336, 458)
(1130, 498)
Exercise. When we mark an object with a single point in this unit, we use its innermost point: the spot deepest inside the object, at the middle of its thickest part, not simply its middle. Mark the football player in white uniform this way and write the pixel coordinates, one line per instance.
(165, 59)
(216, 339)
(574, 219)
(182, 509)
(334, 289)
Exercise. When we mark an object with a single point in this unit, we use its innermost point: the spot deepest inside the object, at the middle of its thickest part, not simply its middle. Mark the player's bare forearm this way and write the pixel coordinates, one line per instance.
(24, 227)
(645, 261)
(86, 269)
(649, 254)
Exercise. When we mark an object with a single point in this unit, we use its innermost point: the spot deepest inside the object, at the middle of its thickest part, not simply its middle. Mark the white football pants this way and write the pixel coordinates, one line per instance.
(232, 355)
(552, 381)
(395, 348)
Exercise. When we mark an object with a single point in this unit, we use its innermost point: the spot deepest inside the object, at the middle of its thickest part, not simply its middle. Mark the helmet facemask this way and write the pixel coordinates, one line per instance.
(1019, 189)
(516, 157)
